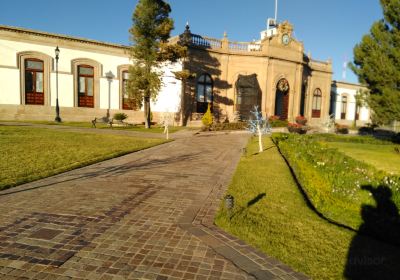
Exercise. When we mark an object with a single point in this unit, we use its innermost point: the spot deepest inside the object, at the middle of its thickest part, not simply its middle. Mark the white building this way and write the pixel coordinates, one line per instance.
(91, 75)
(343, 104)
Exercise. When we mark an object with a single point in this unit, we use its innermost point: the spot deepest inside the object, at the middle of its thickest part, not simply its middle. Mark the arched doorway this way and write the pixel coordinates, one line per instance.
(204, 93)
(282, 99)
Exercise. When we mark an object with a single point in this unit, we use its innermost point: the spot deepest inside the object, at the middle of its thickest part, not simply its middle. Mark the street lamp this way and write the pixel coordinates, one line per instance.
(57, 119)
(110, 76)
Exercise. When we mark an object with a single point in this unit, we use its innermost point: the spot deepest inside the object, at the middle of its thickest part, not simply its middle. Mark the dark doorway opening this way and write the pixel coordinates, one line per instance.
(282, 99)
(248, 95)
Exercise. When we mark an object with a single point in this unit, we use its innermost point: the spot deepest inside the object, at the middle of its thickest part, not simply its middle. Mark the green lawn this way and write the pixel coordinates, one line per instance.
(383, 157)
(153, 129)
(271, 214)
(29, 154)
(137, 127)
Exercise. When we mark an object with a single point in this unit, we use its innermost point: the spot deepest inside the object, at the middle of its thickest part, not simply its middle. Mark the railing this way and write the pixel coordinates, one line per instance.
(205, 42)
(211, 43)
(244, 47)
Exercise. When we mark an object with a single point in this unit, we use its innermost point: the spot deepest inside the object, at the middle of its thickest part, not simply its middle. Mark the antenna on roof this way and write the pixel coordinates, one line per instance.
(276, 10)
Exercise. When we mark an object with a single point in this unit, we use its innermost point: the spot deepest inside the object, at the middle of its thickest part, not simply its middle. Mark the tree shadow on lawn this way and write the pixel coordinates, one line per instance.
(255, 200)
(95, 170)
(374, 252)
(249, 204)
(266, 149)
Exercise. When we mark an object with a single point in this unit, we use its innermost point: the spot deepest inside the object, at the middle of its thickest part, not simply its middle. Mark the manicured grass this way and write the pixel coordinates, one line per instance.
(137, 127)
(338, 185)
(153, 129)
(74, 124)
(282, 224)
(383, 157)
(29, 154)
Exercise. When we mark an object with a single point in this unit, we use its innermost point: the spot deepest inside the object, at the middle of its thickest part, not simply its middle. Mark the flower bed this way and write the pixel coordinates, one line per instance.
(301, 120)
(226, 126)
(337, 185)
(275, 121)
(297, 128)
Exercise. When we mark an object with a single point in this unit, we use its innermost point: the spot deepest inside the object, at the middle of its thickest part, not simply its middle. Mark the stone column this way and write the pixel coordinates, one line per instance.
(297, 93)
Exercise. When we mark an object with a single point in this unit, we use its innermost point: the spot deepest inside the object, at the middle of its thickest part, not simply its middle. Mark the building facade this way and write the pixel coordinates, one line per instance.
(344, 105)
(273, 73)
(91, 78)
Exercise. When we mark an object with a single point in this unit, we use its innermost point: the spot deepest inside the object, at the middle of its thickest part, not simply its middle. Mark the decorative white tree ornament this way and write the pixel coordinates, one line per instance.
(259, 126)
(167, 119)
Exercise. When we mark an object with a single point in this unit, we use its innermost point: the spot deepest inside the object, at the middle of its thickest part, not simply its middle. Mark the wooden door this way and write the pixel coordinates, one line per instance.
(86, 86)
(34, 93)
(282, 105)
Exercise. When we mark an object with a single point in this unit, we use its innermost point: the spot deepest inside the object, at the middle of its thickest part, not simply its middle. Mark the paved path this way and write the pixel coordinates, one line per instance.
(147, 215)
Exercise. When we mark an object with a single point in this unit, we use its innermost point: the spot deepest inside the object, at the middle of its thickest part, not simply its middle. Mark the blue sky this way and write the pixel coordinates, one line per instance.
(328, 28)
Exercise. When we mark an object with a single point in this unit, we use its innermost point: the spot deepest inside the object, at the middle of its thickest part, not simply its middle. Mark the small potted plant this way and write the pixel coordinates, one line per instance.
(297, 128)
(341, 129)
(301, 120)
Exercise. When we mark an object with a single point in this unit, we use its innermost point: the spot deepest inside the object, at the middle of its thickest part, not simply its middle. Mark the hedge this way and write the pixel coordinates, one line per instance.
(339, 186)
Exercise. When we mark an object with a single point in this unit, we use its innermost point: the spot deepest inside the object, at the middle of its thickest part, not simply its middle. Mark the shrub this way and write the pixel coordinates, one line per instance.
(336, 185)
(207, 119)
(120, 116)
(354, 139)
(396, 138)
(278, 123)
(366, 130)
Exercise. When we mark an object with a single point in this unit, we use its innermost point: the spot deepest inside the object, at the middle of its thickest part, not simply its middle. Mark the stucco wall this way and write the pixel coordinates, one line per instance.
(9, 86)
(10, 93)
(350, 92)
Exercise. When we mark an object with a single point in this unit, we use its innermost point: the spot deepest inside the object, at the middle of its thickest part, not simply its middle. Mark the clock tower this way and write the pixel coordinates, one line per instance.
(285, 30)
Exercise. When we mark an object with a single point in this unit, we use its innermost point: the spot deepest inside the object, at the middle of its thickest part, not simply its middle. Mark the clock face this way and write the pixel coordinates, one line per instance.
(285, 39)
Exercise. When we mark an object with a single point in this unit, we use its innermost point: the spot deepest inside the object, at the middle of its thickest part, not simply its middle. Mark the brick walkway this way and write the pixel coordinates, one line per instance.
(147, 215)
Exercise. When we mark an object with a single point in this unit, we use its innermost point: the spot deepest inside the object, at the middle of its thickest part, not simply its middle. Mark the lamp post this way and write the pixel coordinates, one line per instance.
(57, 119)
(110, 76)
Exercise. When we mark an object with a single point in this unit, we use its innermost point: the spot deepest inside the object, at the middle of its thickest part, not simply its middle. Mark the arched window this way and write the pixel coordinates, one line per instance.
(35, 70)
(127, 103)
(34, 73)
(85, 86)
(316, 103)
(204, 93)
(87, 73)
(343, 107)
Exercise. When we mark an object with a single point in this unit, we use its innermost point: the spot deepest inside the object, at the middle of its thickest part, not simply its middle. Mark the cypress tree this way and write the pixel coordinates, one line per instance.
(377, 64)
(149, 33)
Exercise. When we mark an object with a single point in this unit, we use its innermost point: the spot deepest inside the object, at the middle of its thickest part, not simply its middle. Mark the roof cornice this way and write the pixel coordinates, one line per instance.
(62, 37)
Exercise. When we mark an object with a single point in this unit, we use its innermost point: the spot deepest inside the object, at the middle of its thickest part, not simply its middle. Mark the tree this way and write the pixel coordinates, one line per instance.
(360, 97)
(259, 126)
(150, 33)
(377, 64)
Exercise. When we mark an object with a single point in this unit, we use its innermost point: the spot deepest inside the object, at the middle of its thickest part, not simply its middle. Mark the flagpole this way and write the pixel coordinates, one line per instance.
(276, 10)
